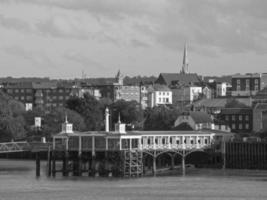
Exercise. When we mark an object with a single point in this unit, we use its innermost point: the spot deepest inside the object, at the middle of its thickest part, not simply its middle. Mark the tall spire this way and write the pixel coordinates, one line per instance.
(185, 61)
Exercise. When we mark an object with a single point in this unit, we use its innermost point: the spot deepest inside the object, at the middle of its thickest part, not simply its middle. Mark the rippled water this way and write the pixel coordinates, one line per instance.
(18, 182)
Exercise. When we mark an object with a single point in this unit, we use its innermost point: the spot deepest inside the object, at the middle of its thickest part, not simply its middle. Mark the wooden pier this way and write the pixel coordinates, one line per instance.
(121, 153)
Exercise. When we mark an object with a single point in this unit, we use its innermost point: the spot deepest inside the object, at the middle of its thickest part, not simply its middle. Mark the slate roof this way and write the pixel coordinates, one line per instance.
(200, 117)
(261, 94)
(231, 111)
(219, 102)
(261, 106)
(186, 79)
(163, 88)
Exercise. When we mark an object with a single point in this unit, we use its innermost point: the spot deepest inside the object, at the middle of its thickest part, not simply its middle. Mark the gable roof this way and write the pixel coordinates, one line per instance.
(163, 88)
(200, 117)
(181, 78)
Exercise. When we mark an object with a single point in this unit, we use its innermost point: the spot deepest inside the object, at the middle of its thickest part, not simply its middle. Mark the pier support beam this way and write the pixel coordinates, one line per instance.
(37, 158)
(65, 162)
(183, 165)
(49, 163)
(154, 164)
(53, 163)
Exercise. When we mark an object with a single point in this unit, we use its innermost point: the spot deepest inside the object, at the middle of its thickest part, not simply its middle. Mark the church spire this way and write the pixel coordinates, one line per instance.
(185, 61)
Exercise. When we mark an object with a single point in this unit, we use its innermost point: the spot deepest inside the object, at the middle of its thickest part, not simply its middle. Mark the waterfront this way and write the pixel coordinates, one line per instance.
(17, 181)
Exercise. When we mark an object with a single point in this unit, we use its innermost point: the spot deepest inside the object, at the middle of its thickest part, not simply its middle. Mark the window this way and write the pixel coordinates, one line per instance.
(60, 97)
(16, 90)
(159, 93)
(60, 90)
(22, 91)
(247, 84)
(246, 117)
(29, 98)
(160, 100)
(240, 117)
(17, 98)
(9, 91)
(167, 100)
(240, 126)
(238, 85)
(163, 93)
(233, 117)
(247, 126)
(233, 126)
(28, 90)
(22, 97)
(226, 118)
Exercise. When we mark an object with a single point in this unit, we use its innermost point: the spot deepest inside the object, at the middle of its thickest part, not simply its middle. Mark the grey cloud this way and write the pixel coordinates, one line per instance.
(84, 60)
(39, 59)
(139, 43)
(14, 23)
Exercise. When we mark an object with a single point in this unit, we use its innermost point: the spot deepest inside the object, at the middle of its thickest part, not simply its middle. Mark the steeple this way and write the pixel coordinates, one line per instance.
(66, 127)
(185, 61)
(119, 78)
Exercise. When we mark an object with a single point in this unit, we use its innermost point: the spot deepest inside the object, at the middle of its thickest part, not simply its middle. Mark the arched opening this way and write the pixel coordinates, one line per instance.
(197, 158)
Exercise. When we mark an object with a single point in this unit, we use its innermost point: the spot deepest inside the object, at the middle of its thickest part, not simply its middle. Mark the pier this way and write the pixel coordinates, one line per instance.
(121, 153)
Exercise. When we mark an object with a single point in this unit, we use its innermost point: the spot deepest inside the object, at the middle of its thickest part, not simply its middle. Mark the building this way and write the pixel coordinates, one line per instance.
(221, 89)
(159, 95)
(248, 84)
(207, 92)
(214, 106)
(187, 94)
(183, 78)
(45, 94)
(238, 119)
(260, 117)
(197, 120)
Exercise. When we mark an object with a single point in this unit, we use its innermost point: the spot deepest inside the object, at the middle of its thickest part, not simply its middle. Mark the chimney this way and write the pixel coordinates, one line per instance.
(107, 120)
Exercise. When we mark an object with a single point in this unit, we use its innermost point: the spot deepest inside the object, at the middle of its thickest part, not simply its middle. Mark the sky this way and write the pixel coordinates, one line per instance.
(63, 38)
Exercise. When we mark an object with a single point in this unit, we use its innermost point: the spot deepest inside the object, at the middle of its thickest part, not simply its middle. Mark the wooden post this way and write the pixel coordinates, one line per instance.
(65, 162)
(53, 163)
(172, 161)
(49, 162)
(37, 164)
(183, 165)
(154, 164)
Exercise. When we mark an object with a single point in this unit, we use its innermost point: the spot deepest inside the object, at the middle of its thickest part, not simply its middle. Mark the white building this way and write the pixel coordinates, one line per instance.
(159, 95)
(221, 89)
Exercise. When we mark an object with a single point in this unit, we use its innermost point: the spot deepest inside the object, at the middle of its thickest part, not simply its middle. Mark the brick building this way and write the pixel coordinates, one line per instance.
(238, 119)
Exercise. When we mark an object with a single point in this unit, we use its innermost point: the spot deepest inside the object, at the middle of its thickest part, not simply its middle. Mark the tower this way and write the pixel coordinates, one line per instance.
(119, 78)
(185, 61)
(66, 126)
(107, 120)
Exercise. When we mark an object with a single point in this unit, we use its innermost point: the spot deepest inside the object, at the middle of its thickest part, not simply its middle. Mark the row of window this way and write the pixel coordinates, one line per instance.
(164, 141)
(164, 100)
(256, 84)
(163, 93)
(240, 126)
(29, 98)
(11, 91)
(234, 117)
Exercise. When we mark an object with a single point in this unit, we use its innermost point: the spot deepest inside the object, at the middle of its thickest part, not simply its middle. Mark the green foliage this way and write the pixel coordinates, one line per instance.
(90, 109)
(160, 118)
(12, 123)
(129, 111)
(51, 121)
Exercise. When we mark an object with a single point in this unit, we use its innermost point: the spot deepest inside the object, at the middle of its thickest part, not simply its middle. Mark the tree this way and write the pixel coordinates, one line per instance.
(90, 109)
(160, 118)
(129, 111)
(12, 123)
(51, 121)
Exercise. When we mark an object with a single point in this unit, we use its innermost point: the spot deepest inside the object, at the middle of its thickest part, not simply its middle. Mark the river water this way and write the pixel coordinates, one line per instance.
(18, 182)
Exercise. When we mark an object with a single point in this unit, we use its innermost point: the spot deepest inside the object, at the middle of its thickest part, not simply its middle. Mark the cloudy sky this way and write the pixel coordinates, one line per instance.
(62, 38)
